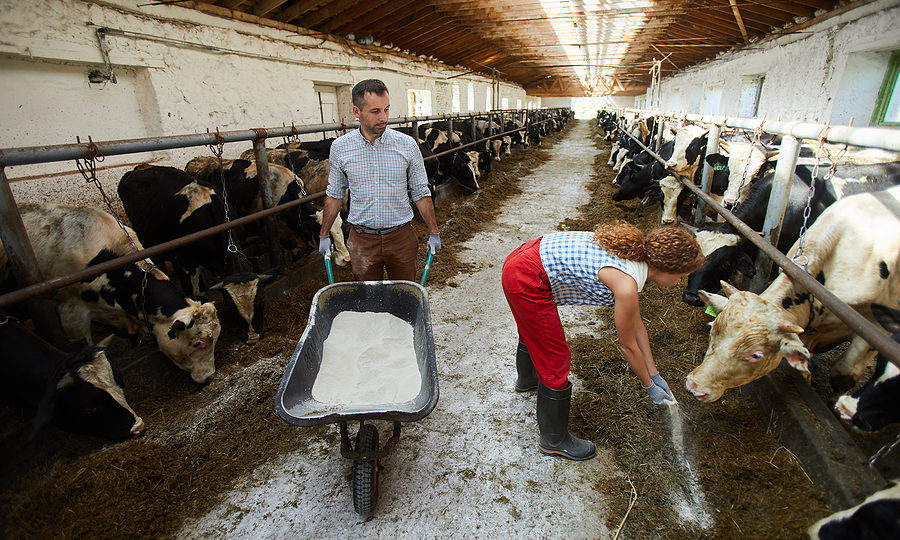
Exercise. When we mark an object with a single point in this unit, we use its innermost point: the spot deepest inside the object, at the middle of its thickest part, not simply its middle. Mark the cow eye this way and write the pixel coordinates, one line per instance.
(757, 356)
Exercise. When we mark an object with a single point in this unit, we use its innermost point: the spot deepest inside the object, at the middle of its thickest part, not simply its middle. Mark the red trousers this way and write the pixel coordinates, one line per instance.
(528, 294)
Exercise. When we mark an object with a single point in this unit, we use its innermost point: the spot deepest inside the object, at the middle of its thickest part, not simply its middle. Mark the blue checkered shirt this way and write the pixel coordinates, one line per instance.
(382, 177)
(572, 260)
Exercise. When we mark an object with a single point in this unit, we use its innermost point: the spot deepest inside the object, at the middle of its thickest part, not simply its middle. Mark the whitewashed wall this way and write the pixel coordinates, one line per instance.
(827, 72)
(171, 81)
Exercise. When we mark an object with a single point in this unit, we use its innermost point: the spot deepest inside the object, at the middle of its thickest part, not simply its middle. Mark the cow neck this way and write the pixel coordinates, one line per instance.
(782, 291)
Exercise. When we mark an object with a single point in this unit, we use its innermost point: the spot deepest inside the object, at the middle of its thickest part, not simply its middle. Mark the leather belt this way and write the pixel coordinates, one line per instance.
(368, 230)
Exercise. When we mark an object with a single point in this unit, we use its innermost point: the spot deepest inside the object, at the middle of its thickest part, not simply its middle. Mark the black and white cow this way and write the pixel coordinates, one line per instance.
(876, 518)
(727, 252)
(241, 188)
(165, 203)
(876, 404)
(77, 392)
(66, 239)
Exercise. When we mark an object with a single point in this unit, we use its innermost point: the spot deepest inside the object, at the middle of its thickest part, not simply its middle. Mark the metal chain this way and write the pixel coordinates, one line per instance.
(288, 139)
(757, 133)
(218, 149)
(886, 449)
(799, 256)
(88, 169)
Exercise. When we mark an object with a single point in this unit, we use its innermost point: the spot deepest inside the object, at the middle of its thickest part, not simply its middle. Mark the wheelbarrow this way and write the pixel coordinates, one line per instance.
(295, 404)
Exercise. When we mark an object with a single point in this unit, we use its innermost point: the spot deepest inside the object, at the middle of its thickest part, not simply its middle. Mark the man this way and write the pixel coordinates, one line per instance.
(383, 169)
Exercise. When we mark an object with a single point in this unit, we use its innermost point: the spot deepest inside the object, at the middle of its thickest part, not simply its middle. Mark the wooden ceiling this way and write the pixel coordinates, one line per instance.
(550, 47)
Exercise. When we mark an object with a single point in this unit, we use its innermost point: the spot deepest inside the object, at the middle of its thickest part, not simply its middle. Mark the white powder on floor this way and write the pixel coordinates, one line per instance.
(368, 358)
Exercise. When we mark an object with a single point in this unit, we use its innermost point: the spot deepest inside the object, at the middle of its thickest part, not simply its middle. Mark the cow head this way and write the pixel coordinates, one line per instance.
(671, 188)
(244, 296)
(874, 406)
(86, 396)
(188, 338)
(724, 257)
(748, 339)
(744, 162)
(679, 163)
(465, 169)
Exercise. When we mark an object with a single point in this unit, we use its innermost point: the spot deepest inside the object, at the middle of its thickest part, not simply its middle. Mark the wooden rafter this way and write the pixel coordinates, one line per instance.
(740, 21)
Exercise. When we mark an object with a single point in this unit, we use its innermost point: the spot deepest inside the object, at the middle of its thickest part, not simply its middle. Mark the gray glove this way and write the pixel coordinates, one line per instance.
(660, 382)
(325, 246)
(434, 242)
(658, 395)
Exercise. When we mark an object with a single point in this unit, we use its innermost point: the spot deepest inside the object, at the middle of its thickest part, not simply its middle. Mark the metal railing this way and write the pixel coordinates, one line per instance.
(18, 247)
(792, 133)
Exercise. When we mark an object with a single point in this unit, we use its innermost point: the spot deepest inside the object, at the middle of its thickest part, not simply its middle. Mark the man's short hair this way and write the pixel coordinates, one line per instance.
(362, 88)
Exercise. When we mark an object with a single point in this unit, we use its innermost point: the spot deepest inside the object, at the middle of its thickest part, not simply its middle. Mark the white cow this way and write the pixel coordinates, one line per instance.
(752, 333)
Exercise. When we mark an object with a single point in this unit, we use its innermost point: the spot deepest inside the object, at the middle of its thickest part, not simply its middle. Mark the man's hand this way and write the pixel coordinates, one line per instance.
(325, 246)
(434, 242)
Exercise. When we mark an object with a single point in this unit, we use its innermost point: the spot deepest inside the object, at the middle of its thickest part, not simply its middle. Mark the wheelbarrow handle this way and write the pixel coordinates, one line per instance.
(328, 270)
(427, 267)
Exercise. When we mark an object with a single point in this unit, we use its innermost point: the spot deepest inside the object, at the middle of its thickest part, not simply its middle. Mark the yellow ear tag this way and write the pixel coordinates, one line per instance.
(711, 311)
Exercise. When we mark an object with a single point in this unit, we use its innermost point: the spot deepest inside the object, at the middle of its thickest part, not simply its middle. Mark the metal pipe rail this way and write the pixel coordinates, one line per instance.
(32, 155)
(63, 152)
(888, 139)
(856, 322)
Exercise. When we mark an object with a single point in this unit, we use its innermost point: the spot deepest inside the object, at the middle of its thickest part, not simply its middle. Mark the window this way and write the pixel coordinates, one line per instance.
(419, 102)
(751, 90)
(712, 99)
(504, 103)
(454, 107)
(487, 102)
(471, 97)
(887, 108)
(518, 104)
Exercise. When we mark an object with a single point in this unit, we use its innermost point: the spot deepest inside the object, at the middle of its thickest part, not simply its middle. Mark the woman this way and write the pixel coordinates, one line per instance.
(608, 266)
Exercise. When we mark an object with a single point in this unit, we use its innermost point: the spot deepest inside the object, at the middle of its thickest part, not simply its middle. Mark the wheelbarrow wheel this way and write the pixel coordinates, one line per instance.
(365, 473)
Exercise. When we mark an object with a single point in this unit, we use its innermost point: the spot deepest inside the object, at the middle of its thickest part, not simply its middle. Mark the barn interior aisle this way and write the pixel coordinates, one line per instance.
(471, 468)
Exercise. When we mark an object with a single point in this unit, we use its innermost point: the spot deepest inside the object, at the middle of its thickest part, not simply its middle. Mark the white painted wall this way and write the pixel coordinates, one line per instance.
(828, 72)
(171, 82)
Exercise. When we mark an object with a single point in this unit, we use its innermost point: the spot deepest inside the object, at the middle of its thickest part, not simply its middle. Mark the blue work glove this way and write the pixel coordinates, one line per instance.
(325, 246)
(660, 382)
(434, 242)
(658, 395)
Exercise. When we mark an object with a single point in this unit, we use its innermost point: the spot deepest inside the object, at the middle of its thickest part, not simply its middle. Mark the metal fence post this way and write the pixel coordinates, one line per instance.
(712, 147)
(472, 120)
(778, 199)
(262, 176)
(659, 131)
(24, 266)
(491, 124)
(415, 130)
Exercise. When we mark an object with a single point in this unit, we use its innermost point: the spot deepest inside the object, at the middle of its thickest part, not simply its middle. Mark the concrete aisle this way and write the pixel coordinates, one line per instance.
(471, 468)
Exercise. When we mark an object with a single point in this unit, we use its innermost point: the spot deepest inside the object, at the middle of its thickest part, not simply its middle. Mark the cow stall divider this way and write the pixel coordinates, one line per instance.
(833, 460)
(23, 265)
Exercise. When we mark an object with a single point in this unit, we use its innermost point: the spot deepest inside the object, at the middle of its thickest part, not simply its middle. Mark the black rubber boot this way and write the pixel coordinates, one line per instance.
(553, 423)
(527, 377)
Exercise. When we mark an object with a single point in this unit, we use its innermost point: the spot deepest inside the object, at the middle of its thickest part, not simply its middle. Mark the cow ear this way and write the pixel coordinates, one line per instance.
(745, 265)
(716, 159)
(771, 154)
(715, 301)
(795, 353)
(218, 286)
(176, 328)
(728, 288)
(886, 317)
(264, 277)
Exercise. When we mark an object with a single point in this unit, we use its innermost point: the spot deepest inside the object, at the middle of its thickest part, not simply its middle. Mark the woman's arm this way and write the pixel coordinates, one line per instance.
(629, 327)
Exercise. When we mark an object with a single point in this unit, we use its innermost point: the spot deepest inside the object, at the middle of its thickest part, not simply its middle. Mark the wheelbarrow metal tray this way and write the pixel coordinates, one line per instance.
(404, 299)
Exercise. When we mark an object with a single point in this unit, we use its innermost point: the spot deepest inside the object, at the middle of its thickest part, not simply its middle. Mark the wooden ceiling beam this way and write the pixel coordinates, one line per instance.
(376, 24)
(412, 14)
(740, 20)
(726, 19)
(232, 4)
(816, 4)
(263, 7)
(340, 23)
(764, 16)
(438, 33)
(330, 9)
(295, 11)
(405, 32)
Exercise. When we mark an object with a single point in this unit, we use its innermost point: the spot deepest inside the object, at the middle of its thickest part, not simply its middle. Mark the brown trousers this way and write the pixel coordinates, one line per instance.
(372, 254)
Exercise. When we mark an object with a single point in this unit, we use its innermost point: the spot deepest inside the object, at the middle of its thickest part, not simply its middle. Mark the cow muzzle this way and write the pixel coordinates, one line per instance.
(695, 390)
